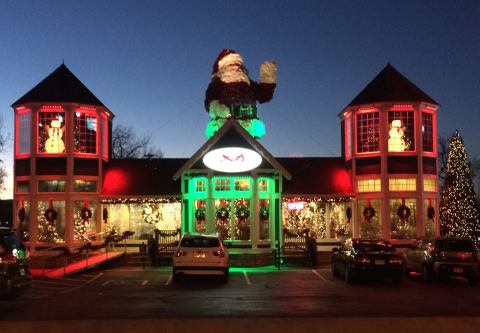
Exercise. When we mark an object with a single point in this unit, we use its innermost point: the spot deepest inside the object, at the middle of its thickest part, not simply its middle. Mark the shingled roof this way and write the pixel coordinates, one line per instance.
(61, 86)
(391, 86)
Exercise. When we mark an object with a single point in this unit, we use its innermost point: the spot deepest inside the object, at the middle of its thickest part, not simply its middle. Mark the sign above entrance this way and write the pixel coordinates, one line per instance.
(232, 159)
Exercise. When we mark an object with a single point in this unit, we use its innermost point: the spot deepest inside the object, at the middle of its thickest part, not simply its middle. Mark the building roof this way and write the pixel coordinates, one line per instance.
(61, 86)
(391, 86)
(323, 176)
(232, 134)
(142, 177)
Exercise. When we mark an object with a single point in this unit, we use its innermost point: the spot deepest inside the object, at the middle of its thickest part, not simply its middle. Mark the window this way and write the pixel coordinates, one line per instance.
(401, 134)
(370, 227)
(402, 184)
(51, 186)
(23, 186)
(199, 186)
(429, 213)
(427, 132)
(348, 137)
(369, 185)
(406, 227)
(242, 184)
(51, 232)
(85, 133)
(222, 185)
(429, 185)
(85, 186)
(51, 128)
(263, 185)
(23, 128)
(368, 132)
(105, 138)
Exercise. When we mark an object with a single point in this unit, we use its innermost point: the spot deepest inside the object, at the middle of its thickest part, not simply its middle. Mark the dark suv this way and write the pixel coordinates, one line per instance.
(14, 274)
(443, 257)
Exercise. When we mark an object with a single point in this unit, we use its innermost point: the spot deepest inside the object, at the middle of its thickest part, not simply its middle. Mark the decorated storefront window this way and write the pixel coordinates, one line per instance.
(241, 219)
(105, 137)
(427, 132)
(403, 222)
(222, 218)
(339, 220)
(51, 186)
(401, 131)
(200, 216)
(23, 218)
(402, 184)
(142, 216)
(51, 132)
(430, 215)
(85, 133)
(23, 132)
(307, 213)
(84, 220)
(429, 185)
(369, 185)
(84, 185)
(368, 132)
(264, 218)
(369, 216)
(51, 221)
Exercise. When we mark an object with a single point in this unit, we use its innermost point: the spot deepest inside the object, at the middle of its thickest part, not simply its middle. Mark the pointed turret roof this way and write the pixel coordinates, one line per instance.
(61, 86)
(391, 86)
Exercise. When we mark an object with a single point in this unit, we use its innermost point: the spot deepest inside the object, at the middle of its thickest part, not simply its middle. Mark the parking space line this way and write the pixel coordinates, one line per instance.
(322, 277)
(83, 284)
(144, 282)
(169, 279)
(246, 278)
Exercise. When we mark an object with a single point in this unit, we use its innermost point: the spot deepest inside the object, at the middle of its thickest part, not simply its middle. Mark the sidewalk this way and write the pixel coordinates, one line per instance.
(90, 262)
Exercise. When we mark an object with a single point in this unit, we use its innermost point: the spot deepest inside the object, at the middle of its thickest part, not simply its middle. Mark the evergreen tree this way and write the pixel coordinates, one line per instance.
(459, 216)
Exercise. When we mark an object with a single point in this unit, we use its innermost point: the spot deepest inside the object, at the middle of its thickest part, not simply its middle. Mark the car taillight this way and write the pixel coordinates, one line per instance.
(180, 253)
(464, 255)
(219, 253)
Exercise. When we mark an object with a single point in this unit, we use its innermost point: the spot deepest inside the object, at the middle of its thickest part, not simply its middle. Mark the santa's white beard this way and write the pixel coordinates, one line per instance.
(233, 73)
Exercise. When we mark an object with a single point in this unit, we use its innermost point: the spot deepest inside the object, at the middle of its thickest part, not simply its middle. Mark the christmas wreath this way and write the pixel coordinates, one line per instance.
(150, 216)
(348, 214)
(264, 213)
(430, 212)
(368, 213)
(86, 213)
(403, 212)
(242, 213)
(21, 214)
(50, 215)
(223, 213)
(200, 214)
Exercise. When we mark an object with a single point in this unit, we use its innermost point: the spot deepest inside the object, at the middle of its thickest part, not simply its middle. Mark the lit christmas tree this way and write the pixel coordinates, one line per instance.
(79, 227)
(47, 231)
(459, 215)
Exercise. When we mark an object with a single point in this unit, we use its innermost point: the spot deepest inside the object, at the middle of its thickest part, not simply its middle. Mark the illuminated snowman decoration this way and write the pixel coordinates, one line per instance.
(396, 140)
(54, 143)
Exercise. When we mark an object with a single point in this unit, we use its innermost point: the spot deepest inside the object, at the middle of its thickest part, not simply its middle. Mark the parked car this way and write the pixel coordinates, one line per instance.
(443, 257)
(367, 258)
(14, 274)
(200, 254)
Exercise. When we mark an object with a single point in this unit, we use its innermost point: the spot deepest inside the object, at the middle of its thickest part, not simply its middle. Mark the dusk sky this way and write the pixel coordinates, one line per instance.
(149, 62)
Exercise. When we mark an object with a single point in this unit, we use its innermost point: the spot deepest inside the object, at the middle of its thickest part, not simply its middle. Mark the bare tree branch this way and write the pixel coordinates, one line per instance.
(126, 144)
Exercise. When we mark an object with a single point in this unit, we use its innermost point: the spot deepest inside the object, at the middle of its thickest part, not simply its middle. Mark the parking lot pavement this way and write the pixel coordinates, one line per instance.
(46, 287)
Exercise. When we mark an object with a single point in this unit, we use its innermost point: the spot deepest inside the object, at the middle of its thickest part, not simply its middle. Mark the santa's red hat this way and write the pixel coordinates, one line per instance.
(222, 55)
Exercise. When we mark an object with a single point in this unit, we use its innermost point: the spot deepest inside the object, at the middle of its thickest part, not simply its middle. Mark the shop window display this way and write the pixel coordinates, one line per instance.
(368, 132)
(403, 218)
(242, 219)
(222, 218)
(430, 217)
(264, 218)
(369, 215)
(85, 133)
(84, 222)
(23, 128)
(401, 134)
(51, 127)
(306, 214)
(23, 216)
(340, 225)
(427, 132)
(51, 221)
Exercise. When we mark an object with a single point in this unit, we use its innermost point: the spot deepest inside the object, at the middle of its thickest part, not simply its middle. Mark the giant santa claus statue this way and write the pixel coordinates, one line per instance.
(232, 94)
